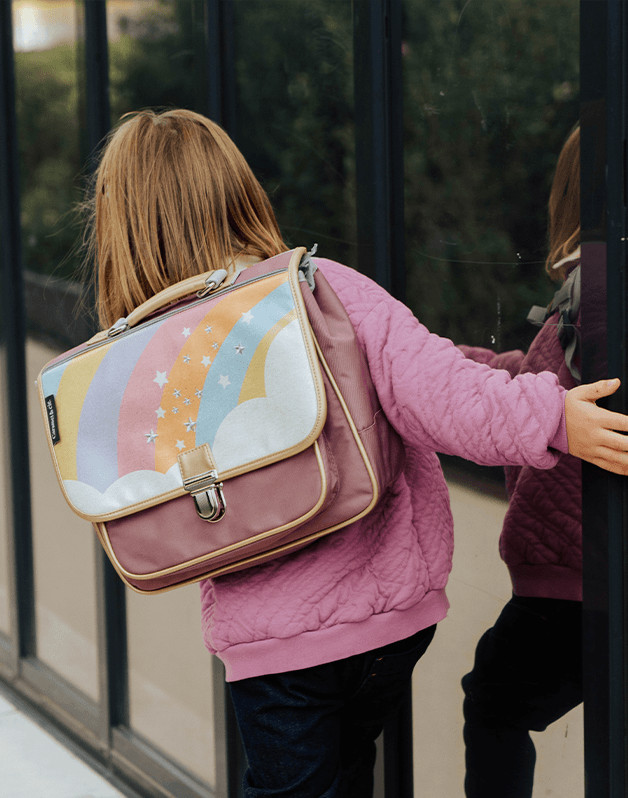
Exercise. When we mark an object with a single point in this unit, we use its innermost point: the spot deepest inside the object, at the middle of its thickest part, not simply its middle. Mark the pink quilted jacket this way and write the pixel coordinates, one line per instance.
(383, 578)
(541, 540)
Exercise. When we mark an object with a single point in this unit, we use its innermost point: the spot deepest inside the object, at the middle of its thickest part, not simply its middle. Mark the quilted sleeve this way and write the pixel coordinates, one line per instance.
(511, 360)
(440, 400)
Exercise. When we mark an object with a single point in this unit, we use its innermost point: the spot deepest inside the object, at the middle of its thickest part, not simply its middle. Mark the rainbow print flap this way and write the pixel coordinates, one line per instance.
(236, 370)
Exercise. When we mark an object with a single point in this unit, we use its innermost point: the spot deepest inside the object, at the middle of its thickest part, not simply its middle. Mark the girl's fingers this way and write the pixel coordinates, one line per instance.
(593, 391)
(613, 461)
(594, 433)
(613, 421)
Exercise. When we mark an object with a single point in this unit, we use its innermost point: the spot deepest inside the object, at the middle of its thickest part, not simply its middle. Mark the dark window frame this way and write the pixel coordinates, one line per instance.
(604, 104)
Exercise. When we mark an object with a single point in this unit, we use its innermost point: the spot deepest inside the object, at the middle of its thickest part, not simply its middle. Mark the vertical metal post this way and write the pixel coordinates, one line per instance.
(398, 752)
(97, 110)
(604, 86)
(220, 67)
(111, 600)
(616, 230)
(13, 364)
(378, 92)
(219, 52)
(229, 751)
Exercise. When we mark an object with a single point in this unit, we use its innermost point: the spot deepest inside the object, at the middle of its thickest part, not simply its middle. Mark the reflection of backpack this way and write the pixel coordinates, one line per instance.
(567, 302)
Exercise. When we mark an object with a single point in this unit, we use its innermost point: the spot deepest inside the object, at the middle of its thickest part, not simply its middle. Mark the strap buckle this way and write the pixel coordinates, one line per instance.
(213, 281)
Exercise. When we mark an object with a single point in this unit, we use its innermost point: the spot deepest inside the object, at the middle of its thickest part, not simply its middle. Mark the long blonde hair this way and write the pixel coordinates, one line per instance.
(564, 207)
(172, 197)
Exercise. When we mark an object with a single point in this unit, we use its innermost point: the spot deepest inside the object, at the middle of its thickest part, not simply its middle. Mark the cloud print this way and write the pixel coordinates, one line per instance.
(265, 425)
(127, 490)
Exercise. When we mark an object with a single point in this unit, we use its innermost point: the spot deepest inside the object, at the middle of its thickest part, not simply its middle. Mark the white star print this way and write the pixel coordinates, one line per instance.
(180, 445)
(206, 360)
(186, 332)
(208, 329)
(186, 401)
(160, 378)
(186, 358)
(175, 409)
(150, 436)
(160, 412)
(224, 380)
(189, 425)
(198, 393)
(176, 393)
(239, 349)
(215, 345)
(247, 317)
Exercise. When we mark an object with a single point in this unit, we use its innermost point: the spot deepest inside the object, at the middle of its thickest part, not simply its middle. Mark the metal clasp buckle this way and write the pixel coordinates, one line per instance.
(208, 495)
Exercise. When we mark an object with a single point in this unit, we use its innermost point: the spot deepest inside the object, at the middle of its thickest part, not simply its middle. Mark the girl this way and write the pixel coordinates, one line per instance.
(528, 667)
(319, 646)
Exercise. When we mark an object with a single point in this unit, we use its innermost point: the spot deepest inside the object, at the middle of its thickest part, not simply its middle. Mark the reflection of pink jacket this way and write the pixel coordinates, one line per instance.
(383, 578)
(541, 540)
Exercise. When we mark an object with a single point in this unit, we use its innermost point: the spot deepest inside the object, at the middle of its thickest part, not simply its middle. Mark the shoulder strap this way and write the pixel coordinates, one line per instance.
(566, 301)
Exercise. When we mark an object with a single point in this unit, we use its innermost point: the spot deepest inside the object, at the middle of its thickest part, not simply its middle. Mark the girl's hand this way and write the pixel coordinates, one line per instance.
(595, 434)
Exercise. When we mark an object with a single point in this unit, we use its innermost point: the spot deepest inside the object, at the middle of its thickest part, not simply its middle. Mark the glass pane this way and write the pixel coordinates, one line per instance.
(491, 93)
(302, 152)
(42, 24)
(154, 48)
(5, 615)
(478, 588)
(294, 116)
(170, 678)
(63, 554)
(50, 161)
(46, 77)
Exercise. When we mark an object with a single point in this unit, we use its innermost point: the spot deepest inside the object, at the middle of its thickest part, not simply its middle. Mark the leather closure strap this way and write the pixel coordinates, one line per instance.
(200, 479)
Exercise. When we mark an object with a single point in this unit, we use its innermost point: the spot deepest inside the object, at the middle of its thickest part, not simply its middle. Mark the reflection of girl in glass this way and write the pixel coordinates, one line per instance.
(319, 646)
(528, 670)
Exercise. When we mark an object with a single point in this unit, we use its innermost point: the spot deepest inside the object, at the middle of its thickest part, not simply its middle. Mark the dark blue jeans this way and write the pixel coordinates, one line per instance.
(311, 733)
(527, 674)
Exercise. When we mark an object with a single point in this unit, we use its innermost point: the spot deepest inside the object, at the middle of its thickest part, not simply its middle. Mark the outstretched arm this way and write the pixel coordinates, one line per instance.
(595, 434)
(510, 361)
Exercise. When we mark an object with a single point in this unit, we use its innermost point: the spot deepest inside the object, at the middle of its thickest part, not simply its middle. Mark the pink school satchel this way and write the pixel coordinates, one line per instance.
(219, 426)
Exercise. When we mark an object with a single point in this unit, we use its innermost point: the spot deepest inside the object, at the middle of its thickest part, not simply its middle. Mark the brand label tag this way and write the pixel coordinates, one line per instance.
(51, 411)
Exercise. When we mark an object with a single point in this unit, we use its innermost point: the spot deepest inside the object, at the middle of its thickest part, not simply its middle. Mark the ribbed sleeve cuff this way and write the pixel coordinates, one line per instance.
(559, 441)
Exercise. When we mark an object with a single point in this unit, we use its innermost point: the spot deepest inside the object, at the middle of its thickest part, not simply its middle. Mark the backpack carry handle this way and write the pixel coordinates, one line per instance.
(201, 284)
